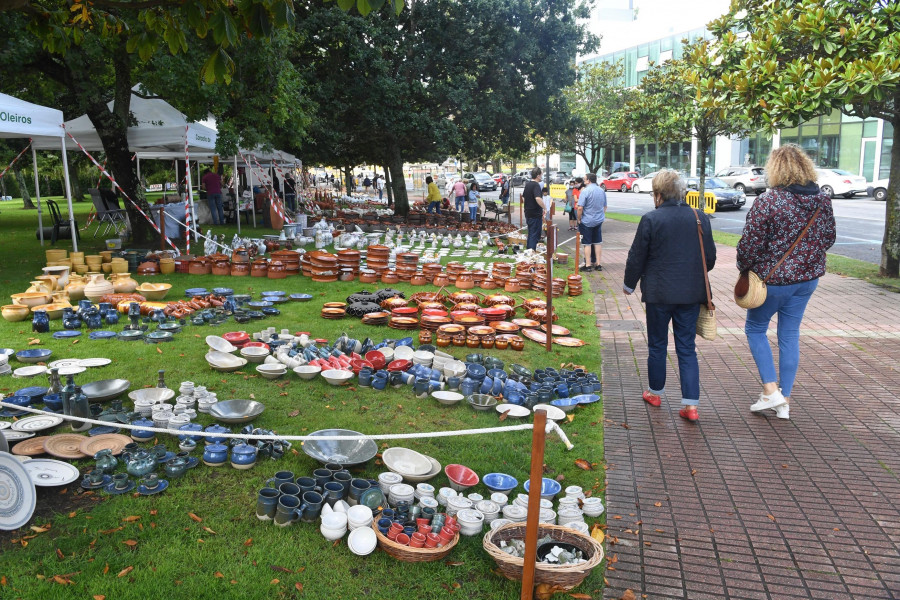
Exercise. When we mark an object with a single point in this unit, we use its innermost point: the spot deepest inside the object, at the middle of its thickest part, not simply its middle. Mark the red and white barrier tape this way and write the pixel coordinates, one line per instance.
(273, 199)
(18, 156)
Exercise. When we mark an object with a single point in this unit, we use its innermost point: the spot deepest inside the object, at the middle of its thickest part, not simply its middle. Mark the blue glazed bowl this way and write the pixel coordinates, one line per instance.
(549, 488)
(142, 435)
(35, 392)
(216, 428)
(475, 371)
(53, 401)
(499, 482)
(300, 297)
(586, 398)
(566, 404)
(272, 293)
(220, 291)
(33, 355)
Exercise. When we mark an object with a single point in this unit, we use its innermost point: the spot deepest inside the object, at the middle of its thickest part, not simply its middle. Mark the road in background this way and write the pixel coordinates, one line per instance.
(860, 221)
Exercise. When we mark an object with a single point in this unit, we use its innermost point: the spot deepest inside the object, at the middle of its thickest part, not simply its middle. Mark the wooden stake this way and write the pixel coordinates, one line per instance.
(551, 242)
(538, 437)
(577, 251)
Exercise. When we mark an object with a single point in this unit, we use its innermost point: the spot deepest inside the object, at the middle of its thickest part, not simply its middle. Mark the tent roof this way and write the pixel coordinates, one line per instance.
(160, 128)
(23, 119)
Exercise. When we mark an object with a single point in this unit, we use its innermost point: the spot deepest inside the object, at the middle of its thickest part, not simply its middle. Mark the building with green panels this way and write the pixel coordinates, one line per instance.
(834, 140)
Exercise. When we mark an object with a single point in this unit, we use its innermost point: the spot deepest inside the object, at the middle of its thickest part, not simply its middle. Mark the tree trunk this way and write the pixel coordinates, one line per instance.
(890, 247)
(701, 155)
(3, 187)
(348, 180)
(387, 185)
(23, 188)
(398, 183)
(74, 181)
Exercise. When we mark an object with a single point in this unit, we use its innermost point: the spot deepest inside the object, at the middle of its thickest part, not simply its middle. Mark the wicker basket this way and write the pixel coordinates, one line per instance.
(564, 576)
(750, 290)
(410, 554)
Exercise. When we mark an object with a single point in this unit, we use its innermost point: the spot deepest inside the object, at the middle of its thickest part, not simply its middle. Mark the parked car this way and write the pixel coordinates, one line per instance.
(878, 189)
(521, 177)
(558, 177)
(837, 182)
(484, 180)
(644, 184)
(744, 179)
(620, 181)
(726, 196)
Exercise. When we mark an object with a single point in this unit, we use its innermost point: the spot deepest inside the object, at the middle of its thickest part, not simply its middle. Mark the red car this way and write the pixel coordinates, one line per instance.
(621, 182)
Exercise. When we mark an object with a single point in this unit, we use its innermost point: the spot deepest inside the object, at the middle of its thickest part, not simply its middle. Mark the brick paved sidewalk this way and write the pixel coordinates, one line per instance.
(746, 506)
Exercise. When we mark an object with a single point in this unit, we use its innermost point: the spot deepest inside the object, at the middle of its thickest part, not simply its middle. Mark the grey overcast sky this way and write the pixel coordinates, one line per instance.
(655, 19)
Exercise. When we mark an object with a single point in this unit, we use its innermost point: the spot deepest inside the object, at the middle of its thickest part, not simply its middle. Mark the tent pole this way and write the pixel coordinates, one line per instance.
(252, 195)
(37, 191)
(139, 169)
(72, 227)
(237, 198)
(187, 173)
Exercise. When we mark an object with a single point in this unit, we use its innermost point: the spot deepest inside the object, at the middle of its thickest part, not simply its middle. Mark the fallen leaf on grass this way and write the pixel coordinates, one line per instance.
(125, 571)
(504, 415)
(293, 413)
(62, 580)
(299, 586)
(248, 542)
(195, 517)
(336, 543)
(280, 569)
(583, 464)
(580, 596)
(108, 531)
(3, 581)
(131, 519)
(72, 514)
(106, 569)
(208, 530)
(60, 554)
(33, 341)
(40, 529)
(130, 543)
(159, 350)
(274, 581)
(99, 597)
(153, 512)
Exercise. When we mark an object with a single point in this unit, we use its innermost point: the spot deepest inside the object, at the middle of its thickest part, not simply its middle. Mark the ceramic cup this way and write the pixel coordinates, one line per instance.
(288, 511)
(322, 477)
(267, 503)
(432, 540)
(417, 540)
(333, 492)
(357, 487)
(344, 478)
(289, 489)
(94, 477)
(280, 477)
(334, 468)
(306, 484)
(120, 481)
(313, 502)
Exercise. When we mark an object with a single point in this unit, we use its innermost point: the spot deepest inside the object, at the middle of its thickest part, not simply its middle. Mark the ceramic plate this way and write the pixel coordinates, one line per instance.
(101, 335)
(196, 291)
(48, 472)
(569, 342)
(535, 336)
(17, 436)
(553, 413)
(71, 370)
(64, 362)
(31, 447)
(37, 423)
(528, 323)
(110, 441)
(65, 446)
(17, 493)
(557, 329)
(5, 424)
(31, 371)
(94, 362)
(513, 411)
(130, 335)
(35, 392)
(68, 333)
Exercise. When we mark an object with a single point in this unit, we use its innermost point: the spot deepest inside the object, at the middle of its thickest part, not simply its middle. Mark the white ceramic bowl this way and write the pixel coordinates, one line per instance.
(224, 362)
(359, 515)
(513, 411)
(332, 534)
(388, 354)
(307, 372)
(333, 520)
(362, 541)
(448, 398)
(255, 354)
(271, 371)
(403, 353)
(337, 376)
(153, 395)
(405, 461)
(553, 413)
(219, 344)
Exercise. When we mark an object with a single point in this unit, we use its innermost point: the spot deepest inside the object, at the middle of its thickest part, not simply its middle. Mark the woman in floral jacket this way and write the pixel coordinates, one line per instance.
(774, 222)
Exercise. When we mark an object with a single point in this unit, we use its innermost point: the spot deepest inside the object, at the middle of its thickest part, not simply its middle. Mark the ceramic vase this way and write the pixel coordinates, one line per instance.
(97, 287)
(123, 283)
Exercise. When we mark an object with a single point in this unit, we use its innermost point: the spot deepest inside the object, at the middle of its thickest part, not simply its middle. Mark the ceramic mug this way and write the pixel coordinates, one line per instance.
(357, 487)
(95, 477)
(306, 484)
(344, 478)
(280, 477)
(453, 383)
(289, 489)
(288, 510)
(322, 476)
(333, 492)
(313, 503)
(120, 481)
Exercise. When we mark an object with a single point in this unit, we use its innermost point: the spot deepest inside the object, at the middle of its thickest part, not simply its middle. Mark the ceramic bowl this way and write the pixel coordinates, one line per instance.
(307, 372)
(405, 461)
(461, 477)
(482, 401)
(337, 376)
(565, 404)
(586, 398)
(342, 452)
(513, 411)
(154, 291)
(500, 482)
(403, 353)
(220, 344)
(236, 411)
(388, 353)
(271, 371)
(362, 541)
(106, 389)
(152, 395)
(447, 398)
(255, 354)
(15, 312)
(33, 355)
(31, 299)
(553, 413)
(224, 362)
(549, 488)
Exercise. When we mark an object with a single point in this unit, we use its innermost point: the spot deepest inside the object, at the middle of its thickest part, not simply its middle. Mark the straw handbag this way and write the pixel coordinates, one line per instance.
(706, 322)
(750, 291)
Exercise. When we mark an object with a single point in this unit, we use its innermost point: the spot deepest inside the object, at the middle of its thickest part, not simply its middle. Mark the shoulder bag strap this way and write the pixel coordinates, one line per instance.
(709, 303)
(794, 245)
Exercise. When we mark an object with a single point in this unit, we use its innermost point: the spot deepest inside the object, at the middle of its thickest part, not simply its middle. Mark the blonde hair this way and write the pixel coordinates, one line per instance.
(669, 184)
(788, 165)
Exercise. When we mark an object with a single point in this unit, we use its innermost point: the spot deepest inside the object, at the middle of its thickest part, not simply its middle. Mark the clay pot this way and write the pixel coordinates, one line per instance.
(418, 279)
(442, 341)
(240, 269)
(123, 283)
(167, 266)
(240, 255)
(473, 342)
(518, 345)
(38, 287)
(488, 284)
(199, 266)
(61, 272)
(276, 270)
(220, 267)
(32, 299)
(390, 278)
(368, 277)
(440, 280)
(512, 286)
(424, 337)
(15, 312)
(150, 268)
(50, 281)
(465, 281)
(97, 287)
(75, 289)
(501, 343)
(259, 268)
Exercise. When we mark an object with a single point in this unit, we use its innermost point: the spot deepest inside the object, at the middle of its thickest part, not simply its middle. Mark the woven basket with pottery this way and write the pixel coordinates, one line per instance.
(410, 554)
(564, 576)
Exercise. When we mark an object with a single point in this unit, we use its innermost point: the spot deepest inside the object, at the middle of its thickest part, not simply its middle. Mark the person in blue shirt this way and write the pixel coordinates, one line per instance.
(591, 214)
(474, 200)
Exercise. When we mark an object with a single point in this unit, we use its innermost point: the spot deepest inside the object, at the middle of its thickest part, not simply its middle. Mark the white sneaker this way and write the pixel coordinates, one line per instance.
(771, 401)
(783, 411)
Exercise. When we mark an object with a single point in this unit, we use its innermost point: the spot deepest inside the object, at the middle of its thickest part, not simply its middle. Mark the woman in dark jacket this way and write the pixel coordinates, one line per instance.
(774, 222)
(665, 256)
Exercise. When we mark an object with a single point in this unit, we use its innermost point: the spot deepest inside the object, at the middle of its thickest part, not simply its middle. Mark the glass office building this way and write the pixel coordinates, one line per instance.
(833, 140)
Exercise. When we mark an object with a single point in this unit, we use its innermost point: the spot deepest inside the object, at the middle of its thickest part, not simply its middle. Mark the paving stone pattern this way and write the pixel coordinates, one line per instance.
(743, 506)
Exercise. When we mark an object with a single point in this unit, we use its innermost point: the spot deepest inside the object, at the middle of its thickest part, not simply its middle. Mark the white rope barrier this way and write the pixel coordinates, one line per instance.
(301, 438)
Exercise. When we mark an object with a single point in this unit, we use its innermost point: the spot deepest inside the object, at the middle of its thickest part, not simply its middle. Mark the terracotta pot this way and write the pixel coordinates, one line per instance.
(389, 278)
(240, 255)
(442, 341)
(473, 342)
(501, 343)
(123, 283)
(459, 340)
(487, 342)
(440, 280)
(517, 344)
(424, 337)
(368, 277)
(276, 270)
(512, 286)
(465, 281)
(418, 279)
(259, 268)
(15, 312)
(220, 267)
(98, 287)
(240, 269)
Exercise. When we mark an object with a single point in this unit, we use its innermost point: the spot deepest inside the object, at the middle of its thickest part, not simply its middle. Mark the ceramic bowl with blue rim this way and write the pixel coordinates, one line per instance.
(549, 488)
(273, 293)
(566, 404)
(586, 398)
(35, 392)
(68, 333)
(259, 304)
(102, 335)
(33, 355)
(223, 291)
(300, 297)
(500, 482)
(196, 292)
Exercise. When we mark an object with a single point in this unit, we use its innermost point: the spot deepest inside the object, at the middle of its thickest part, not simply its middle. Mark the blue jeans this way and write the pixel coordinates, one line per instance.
(535, 224)
(473, 213)
(215, 208)
(789, 301)
(460, 203)
(684, 327)
(434, 207)
(291, 201)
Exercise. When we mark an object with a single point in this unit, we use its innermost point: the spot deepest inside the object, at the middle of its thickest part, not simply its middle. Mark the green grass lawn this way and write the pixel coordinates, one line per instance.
(93, 539)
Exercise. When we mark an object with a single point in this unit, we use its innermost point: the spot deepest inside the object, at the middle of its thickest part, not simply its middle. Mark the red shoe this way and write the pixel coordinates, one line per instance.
(652, 399)
(689, 413)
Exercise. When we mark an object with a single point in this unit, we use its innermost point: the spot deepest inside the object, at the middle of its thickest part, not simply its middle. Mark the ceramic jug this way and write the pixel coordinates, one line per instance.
(40, 323)
(38, 287)
(123, 283)
(106, 462)
(98, 287)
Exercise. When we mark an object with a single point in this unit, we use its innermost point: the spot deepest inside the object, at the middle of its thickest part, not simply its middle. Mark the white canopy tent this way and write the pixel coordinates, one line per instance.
(20, 119)
(160, 129)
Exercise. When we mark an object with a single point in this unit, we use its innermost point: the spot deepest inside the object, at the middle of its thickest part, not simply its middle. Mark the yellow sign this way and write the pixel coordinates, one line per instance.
(693, 199)
(558, 191)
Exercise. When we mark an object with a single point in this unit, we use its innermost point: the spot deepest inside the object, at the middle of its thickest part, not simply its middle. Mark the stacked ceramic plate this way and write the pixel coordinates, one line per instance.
(5, 369)
(403, 323)
(376, 318)
(333, 313)
(224, 362)
(255, 354)
(271, 370)
(407, 463)
(434, 322)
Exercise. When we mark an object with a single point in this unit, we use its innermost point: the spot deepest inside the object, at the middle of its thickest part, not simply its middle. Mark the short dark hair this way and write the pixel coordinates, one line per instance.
(429, 179)
(592, 177)
(535, 172)
(579, 180)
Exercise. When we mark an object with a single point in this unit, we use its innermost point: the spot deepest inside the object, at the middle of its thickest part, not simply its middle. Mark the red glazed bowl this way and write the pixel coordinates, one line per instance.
(399, 365)
(461, 477)
(237, 338)
(376, 359)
